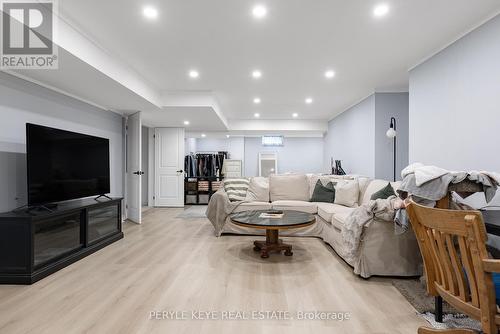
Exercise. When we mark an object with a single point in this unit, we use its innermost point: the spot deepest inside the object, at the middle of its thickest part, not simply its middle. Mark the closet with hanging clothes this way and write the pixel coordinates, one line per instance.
(204, 175)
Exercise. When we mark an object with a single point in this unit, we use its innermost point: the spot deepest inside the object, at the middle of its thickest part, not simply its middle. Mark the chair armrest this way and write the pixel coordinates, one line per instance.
(491, 265)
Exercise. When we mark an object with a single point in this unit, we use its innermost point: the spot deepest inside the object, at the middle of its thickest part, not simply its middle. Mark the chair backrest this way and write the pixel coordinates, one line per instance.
(453, 246)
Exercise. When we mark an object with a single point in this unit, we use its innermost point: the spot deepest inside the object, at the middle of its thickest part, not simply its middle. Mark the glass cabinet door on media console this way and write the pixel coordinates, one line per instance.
(102, 221)
(57, 236)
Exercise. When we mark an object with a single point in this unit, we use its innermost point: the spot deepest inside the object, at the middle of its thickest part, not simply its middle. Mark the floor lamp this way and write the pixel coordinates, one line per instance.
(391, 133)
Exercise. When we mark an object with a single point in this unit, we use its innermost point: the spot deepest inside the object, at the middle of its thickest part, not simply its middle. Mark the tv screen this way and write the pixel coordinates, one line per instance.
(64, 165)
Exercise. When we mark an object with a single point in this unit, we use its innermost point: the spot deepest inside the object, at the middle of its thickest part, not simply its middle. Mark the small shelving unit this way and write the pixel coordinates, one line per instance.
(202, 185)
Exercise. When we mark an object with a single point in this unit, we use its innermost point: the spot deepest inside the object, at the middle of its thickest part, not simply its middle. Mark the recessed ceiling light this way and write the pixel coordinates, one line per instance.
(309, 100)
(329, 74)
(194, 74)
(186, 122)
(381, 10)
(256, 115)
(256, 74)
(227, 136)
(203, 135)
(259, 11)
(150, 12)
(295, 115)
(256, 100)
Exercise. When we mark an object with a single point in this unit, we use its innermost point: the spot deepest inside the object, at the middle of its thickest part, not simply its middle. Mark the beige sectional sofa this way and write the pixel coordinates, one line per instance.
(381, 252)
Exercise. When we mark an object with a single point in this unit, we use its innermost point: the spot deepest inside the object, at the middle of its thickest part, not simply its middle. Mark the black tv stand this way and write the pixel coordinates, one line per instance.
(38, 243)
(40, 208)
(105, 196)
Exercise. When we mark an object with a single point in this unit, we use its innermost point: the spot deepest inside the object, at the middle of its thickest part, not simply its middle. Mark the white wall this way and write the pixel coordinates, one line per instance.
(22, 102)
(455, 104)
(351, 138)
(298, 155)
(234, 146)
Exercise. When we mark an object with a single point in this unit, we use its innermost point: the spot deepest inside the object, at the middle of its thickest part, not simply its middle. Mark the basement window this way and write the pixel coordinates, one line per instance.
(272, 141)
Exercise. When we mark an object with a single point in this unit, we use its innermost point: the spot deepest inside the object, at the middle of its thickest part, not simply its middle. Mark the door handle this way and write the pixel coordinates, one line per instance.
(138, 172)
(180, 171)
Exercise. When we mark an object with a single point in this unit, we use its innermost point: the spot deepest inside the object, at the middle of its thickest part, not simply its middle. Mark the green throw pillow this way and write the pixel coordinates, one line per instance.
(322, 193)
(384, 193)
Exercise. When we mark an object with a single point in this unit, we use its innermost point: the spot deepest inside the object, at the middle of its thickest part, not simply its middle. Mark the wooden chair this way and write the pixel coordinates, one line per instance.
(457, 265)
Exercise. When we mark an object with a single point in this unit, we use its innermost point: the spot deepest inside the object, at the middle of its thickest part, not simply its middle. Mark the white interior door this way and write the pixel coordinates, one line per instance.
(169, 167)
(134, 165)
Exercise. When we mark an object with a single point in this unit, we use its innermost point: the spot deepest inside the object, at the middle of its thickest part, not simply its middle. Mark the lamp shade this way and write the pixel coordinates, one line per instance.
(391, 133)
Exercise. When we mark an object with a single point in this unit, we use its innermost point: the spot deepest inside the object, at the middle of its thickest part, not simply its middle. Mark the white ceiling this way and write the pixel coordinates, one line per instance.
(293, 46)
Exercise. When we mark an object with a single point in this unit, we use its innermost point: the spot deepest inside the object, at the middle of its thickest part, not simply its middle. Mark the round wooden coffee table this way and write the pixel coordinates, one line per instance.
(290, 219)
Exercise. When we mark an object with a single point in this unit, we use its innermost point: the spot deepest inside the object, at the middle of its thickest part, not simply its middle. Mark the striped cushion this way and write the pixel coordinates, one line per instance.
(236, 189)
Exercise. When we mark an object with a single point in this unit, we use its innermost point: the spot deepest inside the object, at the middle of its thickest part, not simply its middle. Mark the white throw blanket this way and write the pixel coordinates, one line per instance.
(431, 182)
(352, 230)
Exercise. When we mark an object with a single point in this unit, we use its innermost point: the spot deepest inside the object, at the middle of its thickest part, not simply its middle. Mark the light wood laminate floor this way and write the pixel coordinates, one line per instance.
(173, 264)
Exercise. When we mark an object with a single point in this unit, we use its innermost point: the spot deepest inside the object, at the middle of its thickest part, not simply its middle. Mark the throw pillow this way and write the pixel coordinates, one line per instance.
(323, 193)
(289, 188)
(236, 189)
(258, 190)
(384, 193)
(347, 193)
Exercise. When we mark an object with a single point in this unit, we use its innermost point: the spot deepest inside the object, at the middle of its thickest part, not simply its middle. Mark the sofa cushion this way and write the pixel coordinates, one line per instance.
(258, 189)
(339, 219)
(289, 187)
(252, 206)
(383, 193)
(347, 193)
(376, 185)
(323, 193)
(302, 206)
(328, 210)
(236, 189)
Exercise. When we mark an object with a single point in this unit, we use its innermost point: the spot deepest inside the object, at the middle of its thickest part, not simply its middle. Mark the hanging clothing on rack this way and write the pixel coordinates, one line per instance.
(190, 165)
(204, 164)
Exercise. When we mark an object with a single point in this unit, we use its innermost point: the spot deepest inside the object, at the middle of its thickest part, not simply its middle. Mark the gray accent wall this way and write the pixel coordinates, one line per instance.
(455, 104)
(357, 137)
(22, 102)
(389, 105)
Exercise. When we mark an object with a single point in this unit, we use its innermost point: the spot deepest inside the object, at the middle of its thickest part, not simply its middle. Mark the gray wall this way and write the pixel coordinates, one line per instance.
(357, 137)
(297, 155)
(455, 106)
(22, 102)
(351, 138)
(145, 165)
(389, 105)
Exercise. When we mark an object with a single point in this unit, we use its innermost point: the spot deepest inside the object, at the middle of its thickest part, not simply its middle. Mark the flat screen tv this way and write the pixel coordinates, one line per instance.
(64, 165)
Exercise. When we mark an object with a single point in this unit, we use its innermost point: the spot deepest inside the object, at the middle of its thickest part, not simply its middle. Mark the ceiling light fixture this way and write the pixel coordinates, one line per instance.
(256, 100)
(256, 74)
(259, 11)
(203, 135)
(193, 74)
(295, 115)
(256, 115)
(227, 136)
(309, 100)
(186, 122)
(150, 12)
(381, 10)
(329, 74)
